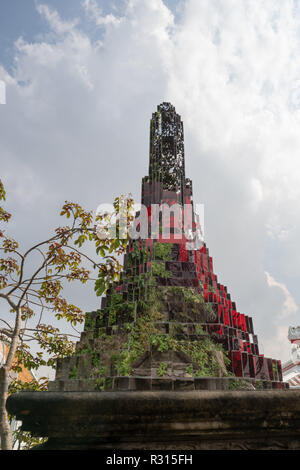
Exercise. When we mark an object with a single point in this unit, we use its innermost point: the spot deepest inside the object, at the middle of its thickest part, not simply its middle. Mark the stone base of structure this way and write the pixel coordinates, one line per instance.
(162, 420)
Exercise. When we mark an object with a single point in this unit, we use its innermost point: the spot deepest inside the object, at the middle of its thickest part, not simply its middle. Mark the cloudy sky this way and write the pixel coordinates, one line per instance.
(82, 80)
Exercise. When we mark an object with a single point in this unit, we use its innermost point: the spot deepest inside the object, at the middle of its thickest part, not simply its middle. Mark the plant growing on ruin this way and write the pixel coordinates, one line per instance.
(30, 292)
(144, 334)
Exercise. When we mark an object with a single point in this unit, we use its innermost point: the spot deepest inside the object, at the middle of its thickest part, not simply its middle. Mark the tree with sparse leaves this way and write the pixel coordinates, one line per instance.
(30, 291)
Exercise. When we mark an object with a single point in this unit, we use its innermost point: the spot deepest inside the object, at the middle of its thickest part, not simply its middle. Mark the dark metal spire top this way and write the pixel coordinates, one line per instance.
(167, 148)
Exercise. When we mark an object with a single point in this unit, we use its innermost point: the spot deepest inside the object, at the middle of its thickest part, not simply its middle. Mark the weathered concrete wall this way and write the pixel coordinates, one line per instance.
(162, 420)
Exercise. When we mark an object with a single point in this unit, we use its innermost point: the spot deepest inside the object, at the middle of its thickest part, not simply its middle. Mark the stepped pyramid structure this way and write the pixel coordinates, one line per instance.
(168, 324)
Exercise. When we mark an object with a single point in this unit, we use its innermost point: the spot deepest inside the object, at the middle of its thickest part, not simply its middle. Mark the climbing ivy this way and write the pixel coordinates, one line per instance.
(159, 269)
(163, 251)
(73, 374)
(162, 370)
(143, 334)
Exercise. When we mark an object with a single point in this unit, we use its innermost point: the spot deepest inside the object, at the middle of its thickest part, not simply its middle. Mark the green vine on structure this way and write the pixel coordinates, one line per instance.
(162, 370)
(163, 251)
(73, 374)
(144, 335)
(159, 269)
(136, 324)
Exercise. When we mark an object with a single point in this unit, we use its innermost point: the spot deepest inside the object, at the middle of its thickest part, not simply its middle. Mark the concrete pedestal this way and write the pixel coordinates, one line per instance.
(161, 420)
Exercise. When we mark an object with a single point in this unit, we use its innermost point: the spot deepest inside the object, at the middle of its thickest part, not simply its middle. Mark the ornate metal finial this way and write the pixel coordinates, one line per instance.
(167, 148)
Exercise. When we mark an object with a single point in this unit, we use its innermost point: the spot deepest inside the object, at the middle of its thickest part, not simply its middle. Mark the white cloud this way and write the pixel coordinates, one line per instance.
(289, 306)
(77, 116)
(54, 20)
(92, 9)
(235, 76)
(278, 343)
